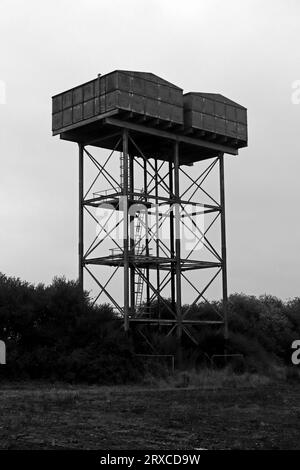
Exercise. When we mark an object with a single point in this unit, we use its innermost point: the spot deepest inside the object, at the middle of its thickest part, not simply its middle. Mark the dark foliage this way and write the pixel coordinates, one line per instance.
(52, 333)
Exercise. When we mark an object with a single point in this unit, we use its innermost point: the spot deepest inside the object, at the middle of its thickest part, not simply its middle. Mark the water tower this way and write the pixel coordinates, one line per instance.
(154, 137)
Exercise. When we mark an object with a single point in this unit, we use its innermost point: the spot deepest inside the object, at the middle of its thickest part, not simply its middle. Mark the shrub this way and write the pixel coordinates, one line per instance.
(53, 333)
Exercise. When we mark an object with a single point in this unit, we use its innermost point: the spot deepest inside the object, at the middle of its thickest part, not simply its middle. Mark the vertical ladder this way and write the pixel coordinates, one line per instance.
(139, 249)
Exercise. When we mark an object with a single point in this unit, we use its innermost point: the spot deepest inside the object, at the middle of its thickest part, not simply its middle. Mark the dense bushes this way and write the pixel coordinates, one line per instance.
(265, 327)
(52, 333)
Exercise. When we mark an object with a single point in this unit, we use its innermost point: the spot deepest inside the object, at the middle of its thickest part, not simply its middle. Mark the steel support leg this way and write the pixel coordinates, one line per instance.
(172, 244)
(177, 252)
(146, 235)
(157, 239)
(132, 244)
(125, 233)
(223, 243)
(80, 224)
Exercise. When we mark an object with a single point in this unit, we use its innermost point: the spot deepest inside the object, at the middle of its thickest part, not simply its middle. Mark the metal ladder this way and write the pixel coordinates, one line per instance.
(139, 249)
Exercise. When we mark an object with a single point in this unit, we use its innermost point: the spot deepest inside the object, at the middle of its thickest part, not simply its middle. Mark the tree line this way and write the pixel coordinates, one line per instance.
(52, 333)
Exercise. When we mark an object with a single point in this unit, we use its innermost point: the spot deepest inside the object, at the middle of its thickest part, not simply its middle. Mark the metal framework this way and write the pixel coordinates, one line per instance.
(153, 266)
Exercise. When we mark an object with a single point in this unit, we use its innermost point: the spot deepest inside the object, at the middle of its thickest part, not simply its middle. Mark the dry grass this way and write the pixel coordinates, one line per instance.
(208, 409)
(209, 379)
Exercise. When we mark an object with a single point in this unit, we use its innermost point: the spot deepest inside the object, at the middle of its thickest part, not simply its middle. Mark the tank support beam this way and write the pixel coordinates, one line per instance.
(223, 243)
(125, 233)
(178, 251)
(80, 224)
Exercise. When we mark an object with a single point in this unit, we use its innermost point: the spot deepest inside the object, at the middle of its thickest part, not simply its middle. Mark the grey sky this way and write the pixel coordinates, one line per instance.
(247, 50)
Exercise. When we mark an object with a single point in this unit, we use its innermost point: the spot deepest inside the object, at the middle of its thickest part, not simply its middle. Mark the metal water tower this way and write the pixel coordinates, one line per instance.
(155, 136)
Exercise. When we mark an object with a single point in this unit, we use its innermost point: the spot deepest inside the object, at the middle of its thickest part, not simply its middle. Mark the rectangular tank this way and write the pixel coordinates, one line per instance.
(215, 114)
(140, 93)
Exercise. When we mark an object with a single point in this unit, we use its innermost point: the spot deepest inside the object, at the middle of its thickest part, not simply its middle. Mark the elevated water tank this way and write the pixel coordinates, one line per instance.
(156, 112)
(215, 114)
(139, 93)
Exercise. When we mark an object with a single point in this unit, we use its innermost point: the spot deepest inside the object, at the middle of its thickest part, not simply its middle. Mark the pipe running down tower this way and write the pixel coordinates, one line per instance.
(159, 150)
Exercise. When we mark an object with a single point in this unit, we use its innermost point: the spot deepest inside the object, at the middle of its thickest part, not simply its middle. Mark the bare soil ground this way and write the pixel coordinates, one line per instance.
(76, 417)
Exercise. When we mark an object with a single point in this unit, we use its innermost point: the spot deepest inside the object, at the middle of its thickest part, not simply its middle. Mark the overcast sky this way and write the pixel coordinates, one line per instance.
(248, 50)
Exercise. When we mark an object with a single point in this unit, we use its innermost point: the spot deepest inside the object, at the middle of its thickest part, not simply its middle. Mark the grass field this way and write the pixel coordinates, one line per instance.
(236, 414)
